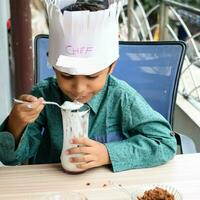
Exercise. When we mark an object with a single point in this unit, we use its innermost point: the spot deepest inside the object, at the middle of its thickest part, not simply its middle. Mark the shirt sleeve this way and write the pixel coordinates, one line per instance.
(7, 146)
(29, 142)
(149, 140)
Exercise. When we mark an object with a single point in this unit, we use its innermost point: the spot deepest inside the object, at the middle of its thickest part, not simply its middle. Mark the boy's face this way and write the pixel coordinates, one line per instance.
(82, 87)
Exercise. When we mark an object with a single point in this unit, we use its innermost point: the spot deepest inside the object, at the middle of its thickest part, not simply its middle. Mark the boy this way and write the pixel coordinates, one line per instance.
(124, 130)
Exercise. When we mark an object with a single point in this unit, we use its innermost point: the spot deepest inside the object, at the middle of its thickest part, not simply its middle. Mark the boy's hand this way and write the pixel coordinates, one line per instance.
(23, 114)
(95, 152)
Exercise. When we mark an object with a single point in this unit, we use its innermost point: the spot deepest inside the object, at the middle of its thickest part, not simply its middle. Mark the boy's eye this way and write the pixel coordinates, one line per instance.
(92, 77)
(67, 76)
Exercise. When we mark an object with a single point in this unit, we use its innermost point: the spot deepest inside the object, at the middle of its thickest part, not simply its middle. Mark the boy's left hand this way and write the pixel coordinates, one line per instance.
(94, 153)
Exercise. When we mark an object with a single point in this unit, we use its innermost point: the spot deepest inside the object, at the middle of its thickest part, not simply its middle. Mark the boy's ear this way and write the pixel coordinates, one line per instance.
(112, 67)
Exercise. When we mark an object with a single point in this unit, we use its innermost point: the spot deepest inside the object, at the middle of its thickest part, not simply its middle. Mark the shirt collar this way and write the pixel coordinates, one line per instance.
(95, 102)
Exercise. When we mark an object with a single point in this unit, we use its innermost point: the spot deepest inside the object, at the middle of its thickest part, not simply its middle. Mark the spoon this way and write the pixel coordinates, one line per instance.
(67, 105)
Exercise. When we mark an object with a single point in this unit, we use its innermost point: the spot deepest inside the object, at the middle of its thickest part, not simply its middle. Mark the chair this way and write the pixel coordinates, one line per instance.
(42, 67)
(152, 68)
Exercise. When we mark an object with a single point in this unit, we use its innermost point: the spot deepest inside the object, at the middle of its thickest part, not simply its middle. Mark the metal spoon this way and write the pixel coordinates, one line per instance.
(45, 102)
(68, 106)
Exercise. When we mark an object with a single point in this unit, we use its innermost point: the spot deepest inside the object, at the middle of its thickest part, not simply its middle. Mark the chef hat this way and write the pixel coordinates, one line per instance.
(82, 42)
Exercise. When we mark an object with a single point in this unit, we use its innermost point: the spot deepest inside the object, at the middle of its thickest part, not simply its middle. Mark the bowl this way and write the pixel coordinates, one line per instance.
(138, 191)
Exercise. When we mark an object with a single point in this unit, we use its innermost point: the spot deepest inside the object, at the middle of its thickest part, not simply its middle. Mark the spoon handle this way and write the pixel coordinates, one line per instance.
(18, 101)
(44, 102)
(22, 102)
(51, 103)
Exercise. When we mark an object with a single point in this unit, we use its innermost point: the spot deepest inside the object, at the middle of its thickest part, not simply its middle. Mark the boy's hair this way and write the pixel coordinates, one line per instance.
(78, 6)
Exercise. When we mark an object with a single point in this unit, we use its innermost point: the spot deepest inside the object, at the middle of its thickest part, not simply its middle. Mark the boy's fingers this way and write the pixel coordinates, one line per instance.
(29, 98)
(28, 106)
(84, 158)
(35, 106)
(24, 106)
(85, 166)
(77, 150)
(83, 140)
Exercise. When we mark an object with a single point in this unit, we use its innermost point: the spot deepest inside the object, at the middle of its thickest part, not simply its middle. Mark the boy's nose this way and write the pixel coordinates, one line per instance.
(79, 88)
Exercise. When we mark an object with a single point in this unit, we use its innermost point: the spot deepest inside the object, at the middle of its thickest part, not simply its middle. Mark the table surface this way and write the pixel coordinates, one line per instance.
(49, 181)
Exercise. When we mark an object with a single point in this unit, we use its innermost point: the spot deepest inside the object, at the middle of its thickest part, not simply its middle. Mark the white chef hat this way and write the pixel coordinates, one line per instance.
(82, 42)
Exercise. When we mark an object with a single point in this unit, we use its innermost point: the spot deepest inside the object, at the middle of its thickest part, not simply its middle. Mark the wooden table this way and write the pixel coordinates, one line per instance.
(51, 182)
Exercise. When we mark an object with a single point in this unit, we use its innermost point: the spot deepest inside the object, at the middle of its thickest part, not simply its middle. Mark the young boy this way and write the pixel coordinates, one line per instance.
(124, 130)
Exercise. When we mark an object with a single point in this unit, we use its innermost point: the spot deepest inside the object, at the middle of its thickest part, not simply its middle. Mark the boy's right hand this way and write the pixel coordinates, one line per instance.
(23, 114)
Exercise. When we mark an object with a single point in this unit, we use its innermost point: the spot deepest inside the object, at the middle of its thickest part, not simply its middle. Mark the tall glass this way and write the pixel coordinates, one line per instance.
(75, 124)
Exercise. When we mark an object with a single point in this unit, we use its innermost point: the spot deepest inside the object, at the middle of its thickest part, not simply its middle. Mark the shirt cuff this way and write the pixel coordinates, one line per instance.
(116, 157)
(7, 146)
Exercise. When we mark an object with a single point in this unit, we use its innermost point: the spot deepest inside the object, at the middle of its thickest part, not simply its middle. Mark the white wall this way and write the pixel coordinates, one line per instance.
(5, 86)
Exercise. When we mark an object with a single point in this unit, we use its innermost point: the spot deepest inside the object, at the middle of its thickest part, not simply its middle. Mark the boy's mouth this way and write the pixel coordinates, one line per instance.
(83, 98)
(79, 98)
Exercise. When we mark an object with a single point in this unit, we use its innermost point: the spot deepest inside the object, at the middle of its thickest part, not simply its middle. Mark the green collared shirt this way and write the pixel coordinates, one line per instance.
(135, 135)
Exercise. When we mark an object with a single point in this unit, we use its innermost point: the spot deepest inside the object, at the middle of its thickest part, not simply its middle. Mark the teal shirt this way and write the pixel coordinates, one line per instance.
(135, 135)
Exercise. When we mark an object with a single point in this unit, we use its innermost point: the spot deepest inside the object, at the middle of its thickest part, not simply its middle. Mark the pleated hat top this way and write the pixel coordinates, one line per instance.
(82, 42)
